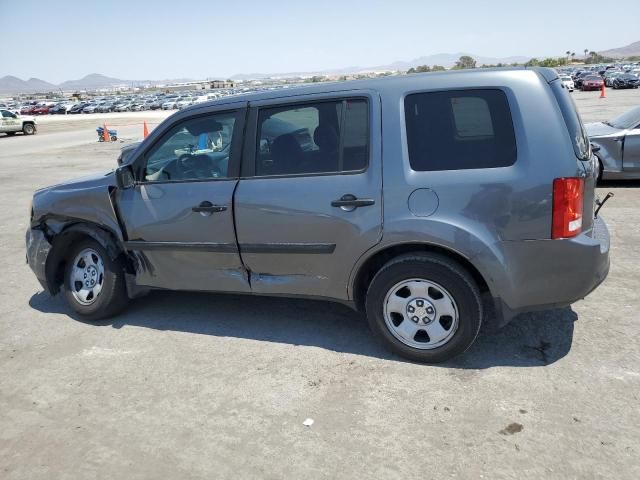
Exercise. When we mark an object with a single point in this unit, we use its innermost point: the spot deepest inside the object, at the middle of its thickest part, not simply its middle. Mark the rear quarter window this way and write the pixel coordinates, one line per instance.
(460, 129)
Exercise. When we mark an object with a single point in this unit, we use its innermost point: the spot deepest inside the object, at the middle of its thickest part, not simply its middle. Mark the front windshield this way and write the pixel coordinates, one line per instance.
(629, 119)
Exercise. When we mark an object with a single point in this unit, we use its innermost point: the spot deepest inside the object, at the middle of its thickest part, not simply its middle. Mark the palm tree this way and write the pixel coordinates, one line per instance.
(568, 52)
(586, 50)
(573, 55)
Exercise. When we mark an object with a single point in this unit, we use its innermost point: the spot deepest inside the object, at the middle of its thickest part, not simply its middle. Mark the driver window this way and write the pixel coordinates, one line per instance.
(195, 149)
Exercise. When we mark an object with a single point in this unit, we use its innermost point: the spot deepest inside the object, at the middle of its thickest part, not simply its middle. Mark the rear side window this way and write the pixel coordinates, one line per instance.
(322, 137)
(577, 132)
(457, 130)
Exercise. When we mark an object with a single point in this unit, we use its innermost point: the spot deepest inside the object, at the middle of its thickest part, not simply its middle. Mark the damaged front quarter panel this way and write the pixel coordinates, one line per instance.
(63, 212)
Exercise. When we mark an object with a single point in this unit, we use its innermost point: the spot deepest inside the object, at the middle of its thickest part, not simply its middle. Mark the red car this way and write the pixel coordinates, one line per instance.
(592, 82)
(27, 109)
(41, 110)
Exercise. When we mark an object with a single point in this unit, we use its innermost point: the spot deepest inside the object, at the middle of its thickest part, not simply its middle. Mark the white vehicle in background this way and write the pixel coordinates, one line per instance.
(567, 82)
(206, 98)
(184, 102)
(170, 104)
(11, 123)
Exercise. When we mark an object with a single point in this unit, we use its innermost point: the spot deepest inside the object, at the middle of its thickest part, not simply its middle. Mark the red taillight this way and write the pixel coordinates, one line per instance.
(568, 194)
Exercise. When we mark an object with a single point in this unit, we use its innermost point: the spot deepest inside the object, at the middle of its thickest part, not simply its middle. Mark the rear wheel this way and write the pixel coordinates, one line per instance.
(28, 129)
(424, 307)
(11, 134)
(94, 285)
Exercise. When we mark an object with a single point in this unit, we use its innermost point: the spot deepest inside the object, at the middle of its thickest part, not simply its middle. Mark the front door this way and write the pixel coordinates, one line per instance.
(9, 121)
(310, 203)
(631, 151)
(179, 216)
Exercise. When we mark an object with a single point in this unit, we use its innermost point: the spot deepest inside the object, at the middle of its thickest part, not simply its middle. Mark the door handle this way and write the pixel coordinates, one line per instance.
(351, 202)
(208, 207)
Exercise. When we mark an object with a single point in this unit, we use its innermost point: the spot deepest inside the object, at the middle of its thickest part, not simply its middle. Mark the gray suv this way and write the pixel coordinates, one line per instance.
(431, 202)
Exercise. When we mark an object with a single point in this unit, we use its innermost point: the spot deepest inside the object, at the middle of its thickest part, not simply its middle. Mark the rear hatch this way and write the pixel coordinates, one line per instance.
(585, 160)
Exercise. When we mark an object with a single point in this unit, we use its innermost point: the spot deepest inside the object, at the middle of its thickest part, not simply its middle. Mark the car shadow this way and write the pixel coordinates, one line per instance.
(530, 340)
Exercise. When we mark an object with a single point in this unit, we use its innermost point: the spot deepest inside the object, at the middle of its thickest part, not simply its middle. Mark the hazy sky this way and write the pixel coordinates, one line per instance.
(130, 39)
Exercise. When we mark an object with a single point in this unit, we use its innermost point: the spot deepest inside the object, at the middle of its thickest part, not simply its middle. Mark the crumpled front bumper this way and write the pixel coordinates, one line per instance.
(38, 248)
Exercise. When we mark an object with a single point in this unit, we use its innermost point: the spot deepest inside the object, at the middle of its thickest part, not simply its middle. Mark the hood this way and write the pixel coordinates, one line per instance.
(599, 129)
(104, 179)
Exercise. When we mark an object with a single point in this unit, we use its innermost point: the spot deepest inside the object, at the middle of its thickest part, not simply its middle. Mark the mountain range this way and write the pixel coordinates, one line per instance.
(631, 50)
(11, 84)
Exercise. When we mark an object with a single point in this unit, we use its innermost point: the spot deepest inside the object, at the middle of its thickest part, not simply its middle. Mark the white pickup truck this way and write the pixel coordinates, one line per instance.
(10, 123)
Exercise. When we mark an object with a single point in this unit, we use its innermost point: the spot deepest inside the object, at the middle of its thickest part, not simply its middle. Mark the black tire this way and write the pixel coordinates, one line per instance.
(443, 271)
(112, 299)
(28, 129)
(113, 138)
(10, 134)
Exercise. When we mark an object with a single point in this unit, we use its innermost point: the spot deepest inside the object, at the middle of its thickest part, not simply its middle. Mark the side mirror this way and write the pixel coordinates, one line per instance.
(595, 148)
(124, 177)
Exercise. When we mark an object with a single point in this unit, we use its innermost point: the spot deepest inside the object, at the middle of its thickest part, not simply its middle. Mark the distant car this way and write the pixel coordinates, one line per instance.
(592, 82)
(609, 76)
(626, 80)
(90, 108)
(77, 108)
(170, 104)
(567, 82)
(27, 109)
(106, 107)
(123, 107)
(185, 102)
(619, 145)
(157, 105)
(42, 110)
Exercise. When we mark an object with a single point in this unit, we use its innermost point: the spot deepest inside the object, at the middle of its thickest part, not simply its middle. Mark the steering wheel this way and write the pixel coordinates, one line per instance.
(196, 166)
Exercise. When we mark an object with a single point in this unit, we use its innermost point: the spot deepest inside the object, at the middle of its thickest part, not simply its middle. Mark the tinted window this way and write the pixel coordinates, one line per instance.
(577, 132)
(7, 114)
(319, 137)
(194, 149)
(458, 130)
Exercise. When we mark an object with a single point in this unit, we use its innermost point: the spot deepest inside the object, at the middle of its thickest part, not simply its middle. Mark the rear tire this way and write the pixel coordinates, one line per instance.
(94, 284)
(433, 287)
(10, 134)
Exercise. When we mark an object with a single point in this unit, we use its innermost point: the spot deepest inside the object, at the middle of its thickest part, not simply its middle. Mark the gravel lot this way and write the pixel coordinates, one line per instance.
(191, 385)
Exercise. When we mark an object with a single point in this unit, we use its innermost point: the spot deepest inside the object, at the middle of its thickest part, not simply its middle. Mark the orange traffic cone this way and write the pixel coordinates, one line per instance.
(602, 93)
(145, 130)
(105, 134)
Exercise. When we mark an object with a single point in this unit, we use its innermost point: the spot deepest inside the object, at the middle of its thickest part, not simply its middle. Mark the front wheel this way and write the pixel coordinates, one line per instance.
(94, 284)
(424, 307)
(28, 129)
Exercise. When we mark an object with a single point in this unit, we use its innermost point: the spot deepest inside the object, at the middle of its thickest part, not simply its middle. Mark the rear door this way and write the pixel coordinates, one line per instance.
(179, 216)
(309, 203)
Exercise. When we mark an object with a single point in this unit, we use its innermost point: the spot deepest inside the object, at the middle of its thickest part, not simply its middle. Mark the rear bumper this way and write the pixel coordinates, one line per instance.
(555, 273)
(38, 249)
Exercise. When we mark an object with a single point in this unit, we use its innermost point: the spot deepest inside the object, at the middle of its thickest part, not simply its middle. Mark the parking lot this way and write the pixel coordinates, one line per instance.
(186, 385)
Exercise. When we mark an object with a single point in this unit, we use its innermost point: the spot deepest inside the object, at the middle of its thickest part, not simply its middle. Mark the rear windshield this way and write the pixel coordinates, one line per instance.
(572, 120)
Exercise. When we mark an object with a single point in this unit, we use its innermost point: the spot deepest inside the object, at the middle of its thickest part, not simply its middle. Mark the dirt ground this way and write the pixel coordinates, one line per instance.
(188, 385)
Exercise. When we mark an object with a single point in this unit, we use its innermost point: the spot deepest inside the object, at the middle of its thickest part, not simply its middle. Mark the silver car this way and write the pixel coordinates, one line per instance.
(617, 145)
(432, 203)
